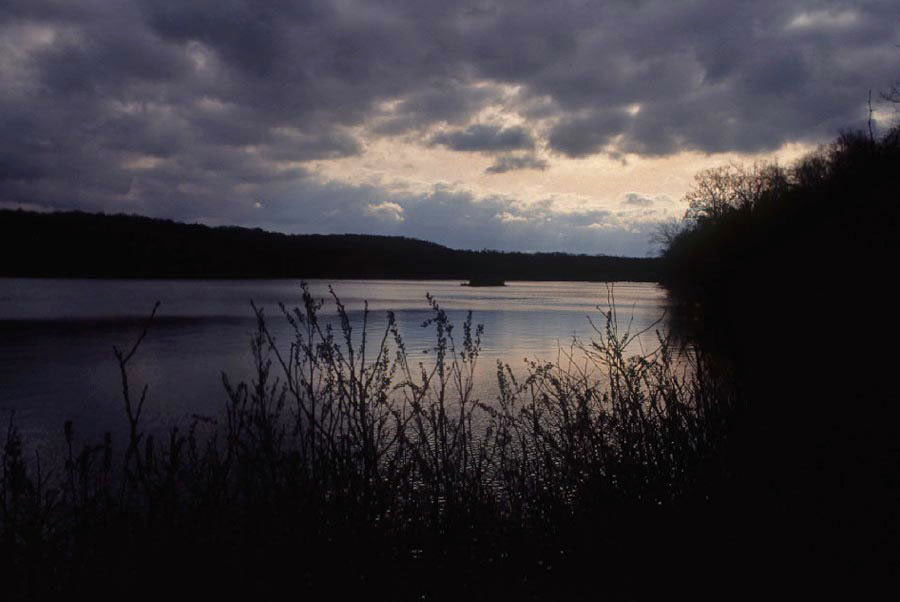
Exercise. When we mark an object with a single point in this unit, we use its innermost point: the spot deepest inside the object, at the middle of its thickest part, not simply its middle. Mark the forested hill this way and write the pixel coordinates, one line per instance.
(76, 244)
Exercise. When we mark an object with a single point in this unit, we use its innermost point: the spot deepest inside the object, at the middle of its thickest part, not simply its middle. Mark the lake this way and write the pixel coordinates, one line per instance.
(57, 336)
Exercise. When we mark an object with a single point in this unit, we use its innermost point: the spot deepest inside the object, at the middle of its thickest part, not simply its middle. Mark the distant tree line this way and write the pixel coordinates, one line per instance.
(76, 244)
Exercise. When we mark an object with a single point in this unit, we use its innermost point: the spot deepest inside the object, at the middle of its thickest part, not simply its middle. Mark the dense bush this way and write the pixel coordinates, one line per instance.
(833, 214)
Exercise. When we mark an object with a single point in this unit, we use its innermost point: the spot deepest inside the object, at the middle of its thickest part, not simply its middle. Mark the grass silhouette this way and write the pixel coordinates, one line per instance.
(344, 465)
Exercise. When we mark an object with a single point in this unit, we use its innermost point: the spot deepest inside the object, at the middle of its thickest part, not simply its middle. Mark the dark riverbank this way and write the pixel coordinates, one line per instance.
(769, 255)
(83, 245)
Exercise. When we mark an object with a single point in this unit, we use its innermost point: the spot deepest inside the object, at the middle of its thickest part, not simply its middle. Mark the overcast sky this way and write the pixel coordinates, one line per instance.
(518, 125)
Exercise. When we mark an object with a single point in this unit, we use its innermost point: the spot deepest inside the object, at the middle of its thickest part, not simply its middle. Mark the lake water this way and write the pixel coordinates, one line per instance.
(57, 336)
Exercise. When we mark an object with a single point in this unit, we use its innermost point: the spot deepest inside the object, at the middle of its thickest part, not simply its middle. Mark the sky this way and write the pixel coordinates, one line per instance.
(525, 125)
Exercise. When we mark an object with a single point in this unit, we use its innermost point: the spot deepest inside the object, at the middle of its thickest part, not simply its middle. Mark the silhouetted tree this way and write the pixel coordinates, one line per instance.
(719, 191)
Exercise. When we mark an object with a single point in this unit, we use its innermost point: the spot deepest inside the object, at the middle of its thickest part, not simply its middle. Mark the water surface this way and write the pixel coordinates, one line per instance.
(57, 336)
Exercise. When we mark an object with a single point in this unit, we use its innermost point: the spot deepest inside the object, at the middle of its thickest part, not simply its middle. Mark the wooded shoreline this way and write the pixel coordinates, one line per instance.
(85, 245)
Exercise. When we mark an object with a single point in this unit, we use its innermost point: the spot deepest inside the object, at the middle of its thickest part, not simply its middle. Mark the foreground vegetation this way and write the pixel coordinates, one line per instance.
(347, 466)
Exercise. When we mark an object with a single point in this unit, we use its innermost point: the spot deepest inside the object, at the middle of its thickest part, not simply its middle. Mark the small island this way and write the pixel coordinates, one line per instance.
(485, 282)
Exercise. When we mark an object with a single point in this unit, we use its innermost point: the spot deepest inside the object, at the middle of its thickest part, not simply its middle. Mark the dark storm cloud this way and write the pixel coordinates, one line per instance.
(485, 138)
(193, 109)
(581, 136)
(451, 102)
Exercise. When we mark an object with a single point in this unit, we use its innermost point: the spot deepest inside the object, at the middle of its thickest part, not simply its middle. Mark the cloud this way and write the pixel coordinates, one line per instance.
(485, 139)
(458, 218)
(505, 163)
(449, 101)
(386, 210)
(816, 19)
(637, 200)
(587, 135)
(192, 109)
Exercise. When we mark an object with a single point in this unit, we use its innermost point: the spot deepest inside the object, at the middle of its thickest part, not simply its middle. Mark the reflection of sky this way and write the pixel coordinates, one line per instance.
(55, 299)
(56, 358)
